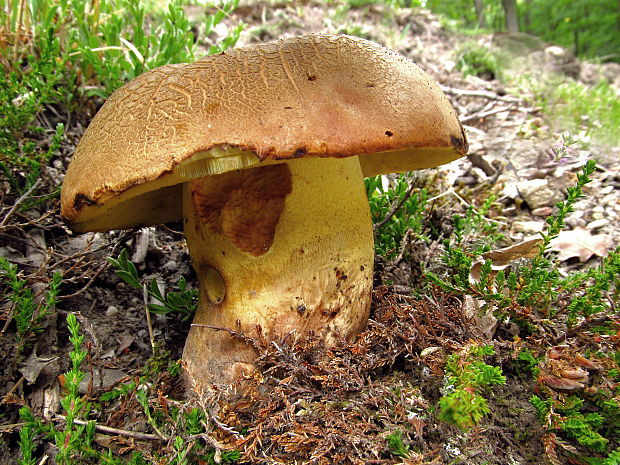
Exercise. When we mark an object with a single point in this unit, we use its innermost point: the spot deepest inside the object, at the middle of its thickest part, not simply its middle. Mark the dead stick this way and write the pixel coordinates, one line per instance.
(18, 201)
(484, 114)
(119, 432)
(12, 427)
(148, 317)
(478, 93)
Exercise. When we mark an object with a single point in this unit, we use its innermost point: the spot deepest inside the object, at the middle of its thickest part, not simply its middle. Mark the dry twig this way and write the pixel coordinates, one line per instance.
(117, 431)
(17, 203)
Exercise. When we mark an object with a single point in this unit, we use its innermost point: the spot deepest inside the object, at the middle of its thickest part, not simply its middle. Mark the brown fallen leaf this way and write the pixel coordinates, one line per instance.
(31, 368)
(561, 384)
(501, 258)
(580, 242)
(565, 370)
(486, 321)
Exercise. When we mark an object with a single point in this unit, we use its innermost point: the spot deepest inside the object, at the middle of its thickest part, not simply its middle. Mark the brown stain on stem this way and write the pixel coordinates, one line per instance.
(244, 205)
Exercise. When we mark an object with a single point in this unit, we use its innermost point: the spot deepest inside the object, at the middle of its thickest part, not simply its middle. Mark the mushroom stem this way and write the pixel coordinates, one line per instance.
(287, 247)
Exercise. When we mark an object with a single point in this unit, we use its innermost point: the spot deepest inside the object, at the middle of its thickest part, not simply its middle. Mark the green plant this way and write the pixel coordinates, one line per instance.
(588, 28)
(528, 363)
(533, 287)
(211, 21)
(593, 290)
(22, 95)
(183, 302)
(73, 440)
(594, 108)
(540, 278)
(572, 416)
(26, 446)
(476, 60)
(397, 213)
(586, 424)
(467, 377)
(189, 425)
(118, 391)
(27, 313)
(64, 52)
(396, 445)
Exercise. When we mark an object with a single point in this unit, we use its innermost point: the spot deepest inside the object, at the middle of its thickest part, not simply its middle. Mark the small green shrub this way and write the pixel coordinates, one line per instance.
(397, 213)
(573, 417)
(396, 444)
(181, 428)
(22, 95)
(73, 441)
(26, 312)
(593, 111)
(78, 49)
(26, 446)
(534, 294)
(467, 377)
(477, 60)
(597, 109)
(183, 302)
(534, 287)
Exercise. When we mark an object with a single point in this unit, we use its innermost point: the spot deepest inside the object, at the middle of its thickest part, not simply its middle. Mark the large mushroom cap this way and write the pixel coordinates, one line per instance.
(307, 96)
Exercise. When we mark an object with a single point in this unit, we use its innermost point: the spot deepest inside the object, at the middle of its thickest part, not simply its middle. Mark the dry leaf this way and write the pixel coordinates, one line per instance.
(33, 365)
(579, 242)
(487, 322)
(501, 258)
(563, 369)
(561, 384)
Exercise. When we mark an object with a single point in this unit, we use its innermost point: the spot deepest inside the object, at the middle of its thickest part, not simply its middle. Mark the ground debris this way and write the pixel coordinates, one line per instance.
(338, 405)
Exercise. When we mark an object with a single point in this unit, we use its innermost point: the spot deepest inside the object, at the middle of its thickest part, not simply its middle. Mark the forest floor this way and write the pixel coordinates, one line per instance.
(352, 403)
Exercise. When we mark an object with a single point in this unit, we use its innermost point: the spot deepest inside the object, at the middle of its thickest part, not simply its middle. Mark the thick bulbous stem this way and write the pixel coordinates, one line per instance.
(284, 247)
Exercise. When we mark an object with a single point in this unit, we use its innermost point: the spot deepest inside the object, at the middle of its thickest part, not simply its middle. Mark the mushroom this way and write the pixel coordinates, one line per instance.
(261, 152)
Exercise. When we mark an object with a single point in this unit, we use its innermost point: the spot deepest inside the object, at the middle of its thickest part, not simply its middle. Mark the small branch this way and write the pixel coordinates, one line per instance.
(484, 114)
(450, 191)
(395, 207)
(87, 285)
(148, 317)
(236, 334)
(478, 93)
(12, 427)
(19, 201)
(16, 385)
(403, 245)
(119, 432)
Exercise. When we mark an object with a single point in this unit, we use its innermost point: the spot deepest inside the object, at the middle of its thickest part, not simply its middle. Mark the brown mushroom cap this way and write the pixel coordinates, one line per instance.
(307, 96)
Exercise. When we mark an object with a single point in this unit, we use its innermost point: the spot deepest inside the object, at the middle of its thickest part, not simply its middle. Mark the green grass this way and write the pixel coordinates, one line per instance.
(66, 53)
(597, 109)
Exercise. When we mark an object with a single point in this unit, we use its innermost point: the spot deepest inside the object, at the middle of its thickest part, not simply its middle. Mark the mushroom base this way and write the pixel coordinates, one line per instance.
(287, 248)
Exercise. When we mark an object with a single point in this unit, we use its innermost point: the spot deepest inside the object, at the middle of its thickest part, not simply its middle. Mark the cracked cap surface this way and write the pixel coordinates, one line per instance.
(306, 96)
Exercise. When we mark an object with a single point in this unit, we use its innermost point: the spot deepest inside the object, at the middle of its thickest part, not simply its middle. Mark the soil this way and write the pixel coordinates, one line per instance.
(315, 405)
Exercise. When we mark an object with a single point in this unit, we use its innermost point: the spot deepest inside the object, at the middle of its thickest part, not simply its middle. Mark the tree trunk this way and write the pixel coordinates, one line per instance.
(512, 21)
(479, 4)
(527, 17)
